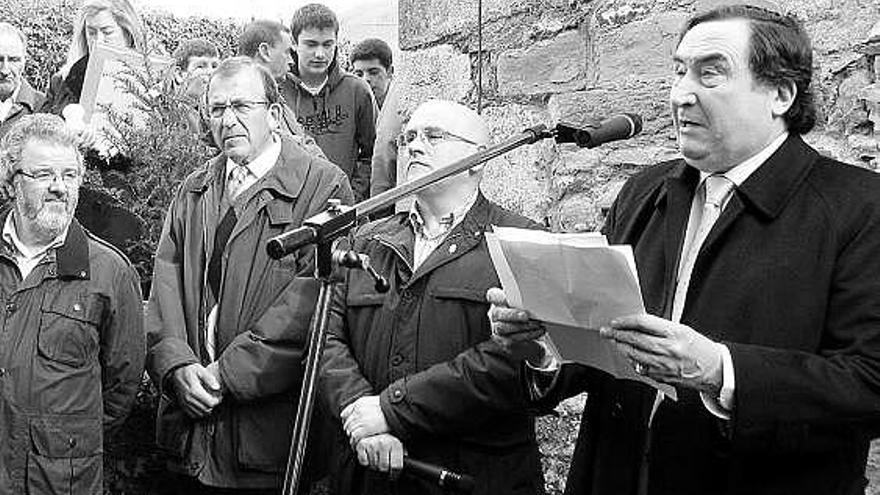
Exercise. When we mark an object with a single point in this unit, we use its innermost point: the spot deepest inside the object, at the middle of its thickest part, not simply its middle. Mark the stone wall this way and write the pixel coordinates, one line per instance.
(546, 61)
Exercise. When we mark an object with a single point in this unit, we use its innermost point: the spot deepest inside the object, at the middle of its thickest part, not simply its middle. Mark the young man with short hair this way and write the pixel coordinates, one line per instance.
(373, 62)
(334, 107)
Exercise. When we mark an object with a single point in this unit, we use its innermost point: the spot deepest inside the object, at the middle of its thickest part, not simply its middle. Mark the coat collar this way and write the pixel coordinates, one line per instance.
(285, 179)
(72, 257)
(465, 236)
(28, 97)
(767, 190)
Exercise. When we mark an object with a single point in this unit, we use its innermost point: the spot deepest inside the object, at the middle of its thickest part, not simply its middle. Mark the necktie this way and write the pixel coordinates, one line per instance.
(235, 181)
(717, 189)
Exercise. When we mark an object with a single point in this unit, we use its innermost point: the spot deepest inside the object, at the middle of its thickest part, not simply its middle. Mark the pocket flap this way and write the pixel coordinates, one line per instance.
(66, 437)
(465, 293)
(81, 308)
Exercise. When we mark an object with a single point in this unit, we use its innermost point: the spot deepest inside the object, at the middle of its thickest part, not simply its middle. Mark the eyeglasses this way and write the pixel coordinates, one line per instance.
(68, 177)
(431, 136)
(240, 108)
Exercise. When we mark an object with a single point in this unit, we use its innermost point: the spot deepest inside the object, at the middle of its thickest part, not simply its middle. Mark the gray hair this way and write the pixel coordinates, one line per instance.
(43, 127)
(6, 27)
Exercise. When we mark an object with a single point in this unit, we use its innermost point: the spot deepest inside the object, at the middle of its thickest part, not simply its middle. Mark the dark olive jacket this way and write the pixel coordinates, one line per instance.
(447, 391)
(71, 361)
(789, 280)
(26, 102)
(265, 307)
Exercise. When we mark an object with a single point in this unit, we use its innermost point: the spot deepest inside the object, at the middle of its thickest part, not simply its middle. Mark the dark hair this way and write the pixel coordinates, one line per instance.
(234, 65)
(372, 48)
(314, 16)
(257, 32)
(198, 47)
(780, 54)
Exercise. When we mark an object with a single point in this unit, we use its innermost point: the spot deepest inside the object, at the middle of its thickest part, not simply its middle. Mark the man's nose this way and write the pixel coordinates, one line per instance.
(682, 93)
(57, 185)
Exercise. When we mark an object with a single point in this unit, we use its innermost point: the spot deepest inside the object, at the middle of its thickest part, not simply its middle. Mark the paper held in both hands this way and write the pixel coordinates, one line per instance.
(574, 284)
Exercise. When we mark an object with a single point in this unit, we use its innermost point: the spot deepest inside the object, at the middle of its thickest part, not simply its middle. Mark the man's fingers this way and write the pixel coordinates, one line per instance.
(633, 338)
(499, 315)
(647, 324)
(208, 380)
(496, 296)
(361, 450)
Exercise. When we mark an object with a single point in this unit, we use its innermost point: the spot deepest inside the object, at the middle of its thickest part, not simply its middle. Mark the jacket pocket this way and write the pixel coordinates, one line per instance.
(65, 456)
(173, 428)
(69, 329)
(262, 433)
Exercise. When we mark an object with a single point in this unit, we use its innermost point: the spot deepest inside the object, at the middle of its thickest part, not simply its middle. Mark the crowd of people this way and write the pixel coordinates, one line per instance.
(757, 259)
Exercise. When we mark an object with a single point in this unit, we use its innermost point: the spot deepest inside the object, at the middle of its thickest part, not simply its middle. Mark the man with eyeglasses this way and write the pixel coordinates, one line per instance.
(226, 324)
(72, 345)
(414, 370)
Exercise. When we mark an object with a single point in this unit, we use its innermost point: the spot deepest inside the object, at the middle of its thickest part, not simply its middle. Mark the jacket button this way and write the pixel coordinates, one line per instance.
(397, 394)
(72, 442)
(2, 372)
(10, 307)
(617, 410)
(396, 360)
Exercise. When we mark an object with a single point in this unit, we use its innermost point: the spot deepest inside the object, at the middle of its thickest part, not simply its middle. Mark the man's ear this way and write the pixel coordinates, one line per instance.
(783, 98)
(274, 111)
(263, 51)
(390, 72)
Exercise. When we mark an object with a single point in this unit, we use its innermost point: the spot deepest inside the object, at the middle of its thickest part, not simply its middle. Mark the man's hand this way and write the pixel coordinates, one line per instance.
(668, 352)
(216, 386)
(382, 452)
(363, 418)
(198, 391)
(512, 328)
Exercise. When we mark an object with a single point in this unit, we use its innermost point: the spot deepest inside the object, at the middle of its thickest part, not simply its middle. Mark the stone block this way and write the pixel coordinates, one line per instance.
(640, 51)
(550, 66)
(517, 179)
(440, 72)
(427, 22)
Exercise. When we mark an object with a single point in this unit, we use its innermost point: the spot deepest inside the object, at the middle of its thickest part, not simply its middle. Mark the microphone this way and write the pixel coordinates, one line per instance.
(623, 126)
(443, 477)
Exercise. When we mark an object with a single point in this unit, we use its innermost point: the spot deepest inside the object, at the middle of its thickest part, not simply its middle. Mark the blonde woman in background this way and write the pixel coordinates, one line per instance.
(113, 22)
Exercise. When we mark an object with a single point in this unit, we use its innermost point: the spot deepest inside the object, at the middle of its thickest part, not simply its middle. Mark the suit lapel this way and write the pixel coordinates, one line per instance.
(680, 188)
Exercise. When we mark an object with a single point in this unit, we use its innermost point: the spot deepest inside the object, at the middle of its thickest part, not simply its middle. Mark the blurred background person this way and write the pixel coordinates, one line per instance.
(17, 97)
(372, 62)
(114, 22)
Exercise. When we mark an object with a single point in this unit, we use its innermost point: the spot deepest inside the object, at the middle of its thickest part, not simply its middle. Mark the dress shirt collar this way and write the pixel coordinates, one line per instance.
(741, 172)
(259, 166)
(447, 222)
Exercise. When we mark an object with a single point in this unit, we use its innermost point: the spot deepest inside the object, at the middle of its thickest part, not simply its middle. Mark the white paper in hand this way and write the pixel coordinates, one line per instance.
(575, 284)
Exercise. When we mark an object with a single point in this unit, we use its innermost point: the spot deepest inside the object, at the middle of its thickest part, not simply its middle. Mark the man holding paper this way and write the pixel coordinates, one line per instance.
(415, 369)
(757, 259)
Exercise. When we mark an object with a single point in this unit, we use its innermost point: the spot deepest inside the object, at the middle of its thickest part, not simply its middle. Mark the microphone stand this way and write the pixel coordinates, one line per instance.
(322, 230)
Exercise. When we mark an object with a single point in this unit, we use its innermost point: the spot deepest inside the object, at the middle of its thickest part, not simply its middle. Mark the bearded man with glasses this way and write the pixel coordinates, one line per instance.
(72, 345)
(226, 325)
(415, 368)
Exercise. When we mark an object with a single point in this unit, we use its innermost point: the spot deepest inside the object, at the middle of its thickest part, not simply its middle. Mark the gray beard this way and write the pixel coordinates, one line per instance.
(45, 220)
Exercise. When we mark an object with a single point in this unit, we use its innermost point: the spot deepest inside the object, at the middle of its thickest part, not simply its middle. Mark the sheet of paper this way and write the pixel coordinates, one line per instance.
(109, 70)
(575, 284)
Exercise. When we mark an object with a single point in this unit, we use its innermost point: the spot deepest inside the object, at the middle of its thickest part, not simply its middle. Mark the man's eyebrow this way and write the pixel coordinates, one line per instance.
(711, 58)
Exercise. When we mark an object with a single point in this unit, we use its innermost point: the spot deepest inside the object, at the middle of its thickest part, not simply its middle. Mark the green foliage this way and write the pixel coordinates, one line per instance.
(48, 25)
(163, 142)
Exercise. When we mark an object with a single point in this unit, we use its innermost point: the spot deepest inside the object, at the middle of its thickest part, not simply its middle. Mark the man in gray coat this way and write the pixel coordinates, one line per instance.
(226, 324)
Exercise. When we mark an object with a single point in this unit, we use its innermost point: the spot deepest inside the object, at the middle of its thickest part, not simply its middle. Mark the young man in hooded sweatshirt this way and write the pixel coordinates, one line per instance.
(334, 107)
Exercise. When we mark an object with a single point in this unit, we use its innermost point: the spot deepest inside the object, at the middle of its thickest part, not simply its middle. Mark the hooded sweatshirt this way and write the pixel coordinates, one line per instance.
(341, 118)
